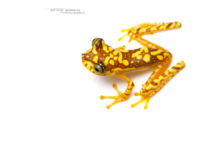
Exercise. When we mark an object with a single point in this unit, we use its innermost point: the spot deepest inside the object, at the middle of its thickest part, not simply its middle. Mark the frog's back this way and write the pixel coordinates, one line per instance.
(112, 61)
(128, 60)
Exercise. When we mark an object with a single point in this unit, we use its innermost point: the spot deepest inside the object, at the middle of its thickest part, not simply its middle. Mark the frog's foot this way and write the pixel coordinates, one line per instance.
(144, 98)
(130, 33)
(119, 98)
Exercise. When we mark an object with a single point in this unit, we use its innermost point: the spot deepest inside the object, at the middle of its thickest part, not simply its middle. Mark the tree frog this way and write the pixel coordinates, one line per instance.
(103, 60)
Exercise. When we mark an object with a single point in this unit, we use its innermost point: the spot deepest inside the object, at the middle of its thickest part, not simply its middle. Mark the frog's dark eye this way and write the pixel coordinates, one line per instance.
(99, 68)
(97, 41)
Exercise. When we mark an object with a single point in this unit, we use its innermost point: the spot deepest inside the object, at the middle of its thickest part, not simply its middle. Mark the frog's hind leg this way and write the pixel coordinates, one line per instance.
(121, 96)
(149, 89)
(148, 44)
(148, 28)
(160, 68)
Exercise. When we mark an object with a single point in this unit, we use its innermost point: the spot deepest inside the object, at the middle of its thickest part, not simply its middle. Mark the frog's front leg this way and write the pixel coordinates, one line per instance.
(149, 89)
(121, 96)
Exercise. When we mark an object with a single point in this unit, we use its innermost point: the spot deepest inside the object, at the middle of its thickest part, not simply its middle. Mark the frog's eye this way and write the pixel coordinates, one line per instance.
(97, 41)
(99, 68)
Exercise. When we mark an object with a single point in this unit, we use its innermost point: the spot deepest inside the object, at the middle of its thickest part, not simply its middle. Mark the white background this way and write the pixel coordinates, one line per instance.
(48, 99)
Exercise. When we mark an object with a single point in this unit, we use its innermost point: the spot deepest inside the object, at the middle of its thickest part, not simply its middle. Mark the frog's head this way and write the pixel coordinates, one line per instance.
(93, 59)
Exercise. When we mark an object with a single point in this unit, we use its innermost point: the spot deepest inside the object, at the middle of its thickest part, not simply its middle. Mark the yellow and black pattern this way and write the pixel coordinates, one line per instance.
(158, 83)
(116, 61)
(149, 90)
(103, 60)
(149, 28)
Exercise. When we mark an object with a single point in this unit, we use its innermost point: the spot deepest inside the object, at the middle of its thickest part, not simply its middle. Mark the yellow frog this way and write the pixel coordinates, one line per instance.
(103, 60)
